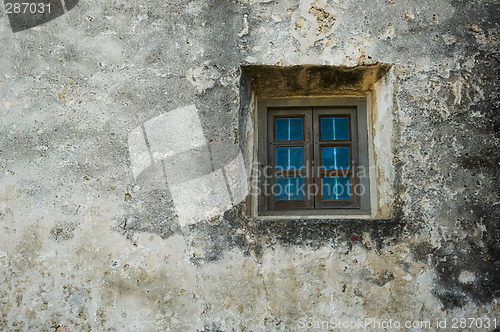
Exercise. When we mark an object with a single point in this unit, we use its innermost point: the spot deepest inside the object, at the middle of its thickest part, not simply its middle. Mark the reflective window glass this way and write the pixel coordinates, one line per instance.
(289, 129)
(290, 188)
(335, 157)
(336, 187)
(335, 128)
(289, 158)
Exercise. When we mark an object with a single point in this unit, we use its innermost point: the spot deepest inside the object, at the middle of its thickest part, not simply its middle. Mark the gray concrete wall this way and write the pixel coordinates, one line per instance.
(122, 168)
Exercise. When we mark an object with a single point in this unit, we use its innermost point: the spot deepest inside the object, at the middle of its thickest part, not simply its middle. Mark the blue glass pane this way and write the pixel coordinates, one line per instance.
(289, 129)
(335, 157)
(289, 158)
(288, 189)
(336, 187)
(335, 128)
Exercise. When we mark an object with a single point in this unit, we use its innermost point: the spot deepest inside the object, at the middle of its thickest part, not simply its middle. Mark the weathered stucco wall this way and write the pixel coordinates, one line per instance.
(96, 234)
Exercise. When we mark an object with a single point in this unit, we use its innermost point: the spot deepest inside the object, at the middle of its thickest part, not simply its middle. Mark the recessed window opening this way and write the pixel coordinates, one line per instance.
(318, 140)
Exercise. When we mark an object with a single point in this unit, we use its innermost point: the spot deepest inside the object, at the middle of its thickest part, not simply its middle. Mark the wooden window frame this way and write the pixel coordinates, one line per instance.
(274, 204)
(312, 109)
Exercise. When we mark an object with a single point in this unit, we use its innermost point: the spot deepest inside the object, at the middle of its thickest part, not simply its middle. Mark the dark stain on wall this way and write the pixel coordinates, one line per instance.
(310, 80)
(149, 211)
(235, 230)
(473, 244)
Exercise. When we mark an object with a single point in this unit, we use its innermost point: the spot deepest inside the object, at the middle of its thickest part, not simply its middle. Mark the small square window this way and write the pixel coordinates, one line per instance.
(314, 156)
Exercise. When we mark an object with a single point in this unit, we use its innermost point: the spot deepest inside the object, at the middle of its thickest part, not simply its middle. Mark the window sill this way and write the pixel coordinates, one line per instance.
(315, 217)
(331, 229)
(343, 213)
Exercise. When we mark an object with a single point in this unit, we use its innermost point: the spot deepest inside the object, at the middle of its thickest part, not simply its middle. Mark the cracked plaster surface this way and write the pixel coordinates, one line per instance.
(84, 247)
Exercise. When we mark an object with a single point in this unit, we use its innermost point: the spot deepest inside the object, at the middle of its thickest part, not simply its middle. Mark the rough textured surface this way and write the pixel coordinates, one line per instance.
(86, 244)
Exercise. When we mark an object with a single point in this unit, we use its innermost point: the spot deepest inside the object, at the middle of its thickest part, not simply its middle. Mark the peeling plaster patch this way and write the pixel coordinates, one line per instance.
(312, 24)
(449, 39)
(474, 28)
(302, 26)
(277, 18)
(63, 231)
(324, 19)
(388, 33)
(434, 19)
(467, 277)
(245, 29)
(470, 63)
(256, 48)
(486, 41)
(456, 88)
(203, 77)
(409, 15)
(354, 51)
